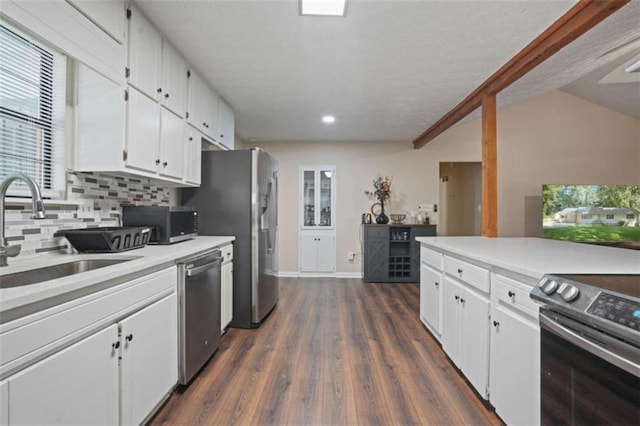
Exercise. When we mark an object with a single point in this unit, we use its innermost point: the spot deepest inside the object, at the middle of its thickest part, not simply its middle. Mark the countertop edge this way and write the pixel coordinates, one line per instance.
(18, 302)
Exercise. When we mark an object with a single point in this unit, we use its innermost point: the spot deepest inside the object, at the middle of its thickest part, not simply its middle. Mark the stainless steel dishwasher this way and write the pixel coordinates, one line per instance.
(199, 312)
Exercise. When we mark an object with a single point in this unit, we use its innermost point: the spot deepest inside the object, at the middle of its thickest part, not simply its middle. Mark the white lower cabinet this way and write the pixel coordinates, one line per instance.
(149, 366)
(318, 253)
(78, 385)
(226, 287)
(465, 332)
(515, 355)
(117, 375)
(431, 299)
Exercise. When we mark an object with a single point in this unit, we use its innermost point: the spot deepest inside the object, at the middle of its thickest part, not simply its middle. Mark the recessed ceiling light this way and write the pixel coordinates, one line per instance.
(323, 7)
(328, 119)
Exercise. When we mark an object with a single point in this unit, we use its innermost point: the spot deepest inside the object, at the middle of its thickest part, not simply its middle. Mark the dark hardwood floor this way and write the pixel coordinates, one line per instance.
(333, 352)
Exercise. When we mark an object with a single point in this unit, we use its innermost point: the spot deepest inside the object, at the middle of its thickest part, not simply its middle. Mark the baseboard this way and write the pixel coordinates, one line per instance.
(353, 275)
(290, 274)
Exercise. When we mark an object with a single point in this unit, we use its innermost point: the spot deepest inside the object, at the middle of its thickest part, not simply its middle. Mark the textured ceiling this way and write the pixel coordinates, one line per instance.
(387, 71)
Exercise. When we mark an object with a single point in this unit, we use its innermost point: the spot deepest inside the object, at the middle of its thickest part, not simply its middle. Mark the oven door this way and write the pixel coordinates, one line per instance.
(587, 377)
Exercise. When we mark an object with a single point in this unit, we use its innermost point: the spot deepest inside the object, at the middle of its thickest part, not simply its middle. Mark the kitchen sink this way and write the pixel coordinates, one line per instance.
(62, 270)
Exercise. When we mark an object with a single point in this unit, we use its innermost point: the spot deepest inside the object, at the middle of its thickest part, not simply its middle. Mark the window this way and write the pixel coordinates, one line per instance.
(32, 107)
(587, 216)
(609, 217)
(630, 216)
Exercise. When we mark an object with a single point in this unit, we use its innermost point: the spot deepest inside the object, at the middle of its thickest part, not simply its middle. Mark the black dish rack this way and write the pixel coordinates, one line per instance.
(110, 239)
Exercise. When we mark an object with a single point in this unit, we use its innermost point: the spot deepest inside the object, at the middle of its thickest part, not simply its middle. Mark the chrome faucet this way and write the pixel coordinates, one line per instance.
(37, 207)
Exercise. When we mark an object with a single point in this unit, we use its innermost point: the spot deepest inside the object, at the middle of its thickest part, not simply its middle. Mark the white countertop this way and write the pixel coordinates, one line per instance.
(29, 298)
(534, 257)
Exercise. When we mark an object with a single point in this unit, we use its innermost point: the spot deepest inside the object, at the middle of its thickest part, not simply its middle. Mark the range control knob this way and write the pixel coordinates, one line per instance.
(570, 293)
(549, 286)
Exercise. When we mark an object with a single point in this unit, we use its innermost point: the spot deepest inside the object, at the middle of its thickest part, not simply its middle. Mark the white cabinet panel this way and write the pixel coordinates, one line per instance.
(172, 144)
(143, 132)
(474, 339)
(100, 120)
(317, 253)
(109, 15)
(149, 358)
(308, 253)
(465, 332)
(326, 253)
(4, 403)
(430, 299)
(193, 157)
(145, 53)
(515, 368)
(226, 295)
(227, 125)
(174, 80)
(78, 385)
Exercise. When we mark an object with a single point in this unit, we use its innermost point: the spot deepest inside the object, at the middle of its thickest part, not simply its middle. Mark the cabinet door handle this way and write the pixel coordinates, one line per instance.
(166, 96)
(222, 136)
(157, 161)
(496, 324)
(437, 283)
(165, 164)
(159, 90)
(457, 297)
(129, 337)
(511, 294)
(460, 271)
(462, 301)
(115, 345)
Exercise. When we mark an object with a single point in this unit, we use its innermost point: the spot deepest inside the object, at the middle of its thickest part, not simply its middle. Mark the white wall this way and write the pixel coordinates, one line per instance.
(554, 138)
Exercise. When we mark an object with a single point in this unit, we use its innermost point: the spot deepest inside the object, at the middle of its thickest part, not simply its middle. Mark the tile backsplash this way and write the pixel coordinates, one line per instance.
(107, 193)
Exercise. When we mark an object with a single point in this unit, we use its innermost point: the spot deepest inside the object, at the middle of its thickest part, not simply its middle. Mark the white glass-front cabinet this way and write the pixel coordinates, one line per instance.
(317, 197)
(317, 253)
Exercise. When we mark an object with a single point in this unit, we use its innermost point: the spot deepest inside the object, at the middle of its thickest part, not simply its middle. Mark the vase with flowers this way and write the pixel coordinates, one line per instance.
(381, 192)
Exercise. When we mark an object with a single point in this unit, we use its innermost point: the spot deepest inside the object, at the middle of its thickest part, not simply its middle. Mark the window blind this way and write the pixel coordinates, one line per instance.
(32, 108)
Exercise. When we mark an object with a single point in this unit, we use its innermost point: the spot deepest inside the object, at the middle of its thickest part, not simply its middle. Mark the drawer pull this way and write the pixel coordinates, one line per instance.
(115, 345)
(496, 324)
(511, 294)
(462, 301)
(437, 283)
(460, 271)
(129, 338)
(457, 297)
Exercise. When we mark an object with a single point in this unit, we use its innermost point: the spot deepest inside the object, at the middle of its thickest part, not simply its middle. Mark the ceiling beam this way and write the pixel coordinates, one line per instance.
(578, 20)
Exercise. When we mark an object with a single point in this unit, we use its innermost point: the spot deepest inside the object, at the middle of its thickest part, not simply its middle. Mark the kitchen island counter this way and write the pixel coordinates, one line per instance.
(534, 257)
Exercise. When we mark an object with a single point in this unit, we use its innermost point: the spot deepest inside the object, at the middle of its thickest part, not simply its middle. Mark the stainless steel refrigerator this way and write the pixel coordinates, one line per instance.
(238, 196)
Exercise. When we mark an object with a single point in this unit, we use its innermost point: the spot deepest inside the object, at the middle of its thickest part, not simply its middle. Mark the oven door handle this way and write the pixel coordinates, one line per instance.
(601, 352)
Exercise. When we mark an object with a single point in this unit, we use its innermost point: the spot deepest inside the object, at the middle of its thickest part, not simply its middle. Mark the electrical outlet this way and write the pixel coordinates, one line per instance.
(427, 207)
(351, 256)
(85, 210)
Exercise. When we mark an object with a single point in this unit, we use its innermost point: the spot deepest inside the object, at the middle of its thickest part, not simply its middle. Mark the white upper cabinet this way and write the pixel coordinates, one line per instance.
(109, 15)
(227, 125)
(193, 157)
(174, 80)
(145, 53)
(143, 132)
(172, 146)
(205, 111)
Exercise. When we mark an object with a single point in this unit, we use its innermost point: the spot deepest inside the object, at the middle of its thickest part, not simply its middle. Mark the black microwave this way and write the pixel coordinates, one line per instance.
(168, 224)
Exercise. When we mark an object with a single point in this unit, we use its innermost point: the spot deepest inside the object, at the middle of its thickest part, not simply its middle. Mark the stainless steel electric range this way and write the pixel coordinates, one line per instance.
(590, 349)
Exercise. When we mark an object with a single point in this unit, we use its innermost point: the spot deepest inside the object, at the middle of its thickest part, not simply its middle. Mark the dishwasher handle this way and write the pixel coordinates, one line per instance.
(192, 270)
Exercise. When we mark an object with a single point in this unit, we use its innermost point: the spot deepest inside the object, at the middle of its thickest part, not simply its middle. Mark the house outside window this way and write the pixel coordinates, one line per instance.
(32, 112)
(609, 217)
(586, 216)
(631, 216)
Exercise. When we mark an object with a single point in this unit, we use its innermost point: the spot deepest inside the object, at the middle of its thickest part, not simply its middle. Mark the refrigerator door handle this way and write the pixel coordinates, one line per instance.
(265, 222)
